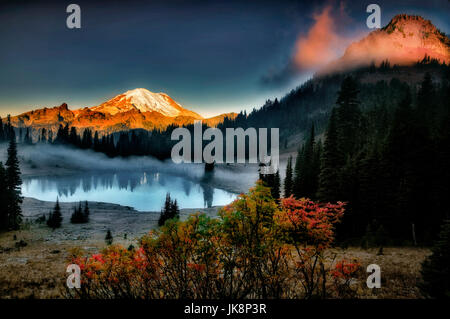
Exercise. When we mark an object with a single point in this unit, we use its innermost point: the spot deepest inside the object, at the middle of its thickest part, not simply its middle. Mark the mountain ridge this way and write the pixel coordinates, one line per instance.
(405, 40)
(134, 109)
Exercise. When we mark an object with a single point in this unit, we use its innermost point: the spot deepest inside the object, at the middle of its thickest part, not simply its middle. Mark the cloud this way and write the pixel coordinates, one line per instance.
(321, 44)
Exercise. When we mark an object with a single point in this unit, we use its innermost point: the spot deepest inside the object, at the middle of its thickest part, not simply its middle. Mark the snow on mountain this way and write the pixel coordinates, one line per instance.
(134, 109)
(144, 101)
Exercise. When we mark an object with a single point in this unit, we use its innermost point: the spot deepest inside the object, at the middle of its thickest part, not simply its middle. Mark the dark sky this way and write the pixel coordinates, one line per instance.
(210, 56)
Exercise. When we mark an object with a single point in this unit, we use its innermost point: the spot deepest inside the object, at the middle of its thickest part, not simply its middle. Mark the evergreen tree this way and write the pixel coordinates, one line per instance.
(80, 215)
(3, 199)
(77, 215)
(349, 117)
(307, 169)
(275, 189)
(174, 209)
(408, 156)
(288, 182)
(426, 97)
(329, 190)
(73, 136)
(109, 238)
(86, 140)
(13, 183)
(170, 210)
(165, 211)
(96, 142)
(2, 131)
(59, 135)
(55, 218)
(271, 179)
(297, 185)
(436, 268)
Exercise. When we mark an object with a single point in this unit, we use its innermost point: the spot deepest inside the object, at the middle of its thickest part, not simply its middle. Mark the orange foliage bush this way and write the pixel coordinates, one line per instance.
(256, 248)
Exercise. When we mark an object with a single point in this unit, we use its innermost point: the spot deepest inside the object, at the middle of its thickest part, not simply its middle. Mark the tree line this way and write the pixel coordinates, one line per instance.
(154, 143)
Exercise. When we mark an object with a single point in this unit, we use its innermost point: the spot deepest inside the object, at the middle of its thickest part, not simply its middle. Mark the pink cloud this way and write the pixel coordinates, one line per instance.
(321, 44)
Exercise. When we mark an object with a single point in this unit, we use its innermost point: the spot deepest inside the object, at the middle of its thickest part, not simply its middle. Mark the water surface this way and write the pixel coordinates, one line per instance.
(142, 190)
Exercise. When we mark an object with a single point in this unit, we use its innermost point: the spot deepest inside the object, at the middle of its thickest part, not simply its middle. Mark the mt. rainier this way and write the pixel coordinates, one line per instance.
(134, 109)
(144, 101)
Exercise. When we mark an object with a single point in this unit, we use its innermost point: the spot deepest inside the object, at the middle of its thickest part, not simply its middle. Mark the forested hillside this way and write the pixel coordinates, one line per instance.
(386, 153)
(312, 101)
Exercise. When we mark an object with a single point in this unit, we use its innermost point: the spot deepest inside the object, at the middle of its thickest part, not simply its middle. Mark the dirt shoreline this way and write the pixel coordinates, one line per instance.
(121, 220)
(33, 259)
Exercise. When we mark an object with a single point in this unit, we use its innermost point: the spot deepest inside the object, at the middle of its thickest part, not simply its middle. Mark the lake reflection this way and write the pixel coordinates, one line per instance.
(145, 191)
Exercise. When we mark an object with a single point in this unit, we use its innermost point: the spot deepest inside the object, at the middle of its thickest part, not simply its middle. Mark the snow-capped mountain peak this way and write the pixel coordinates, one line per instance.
(145, 101)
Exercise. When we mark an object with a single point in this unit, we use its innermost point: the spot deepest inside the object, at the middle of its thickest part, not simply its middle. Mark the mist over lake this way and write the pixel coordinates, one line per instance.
(142, 190)
(140, 182)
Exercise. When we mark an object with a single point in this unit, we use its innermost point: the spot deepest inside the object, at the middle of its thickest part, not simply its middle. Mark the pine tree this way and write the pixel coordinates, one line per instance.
(2, 131)
(349, 117)
(59, 135)
(297, 184)
(426, 100)
(271, 179)
(80, 215)
(408, 156)
(288, 182)
(77, 215)
(96, 142)
(330, 163)
(436, 268)
(73, 136)
(170, 210)
(174, 210)
(13, 183)
(165, 212)
(3, 199)
(306, 174)
(109, 238)
(55, 218)
(86, 140)
(275, 189)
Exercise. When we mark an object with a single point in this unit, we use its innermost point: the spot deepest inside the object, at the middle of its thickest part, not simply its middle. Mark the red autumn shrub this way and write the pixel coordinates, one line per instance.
(343, 275)
(309, 227)
(256, 248)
